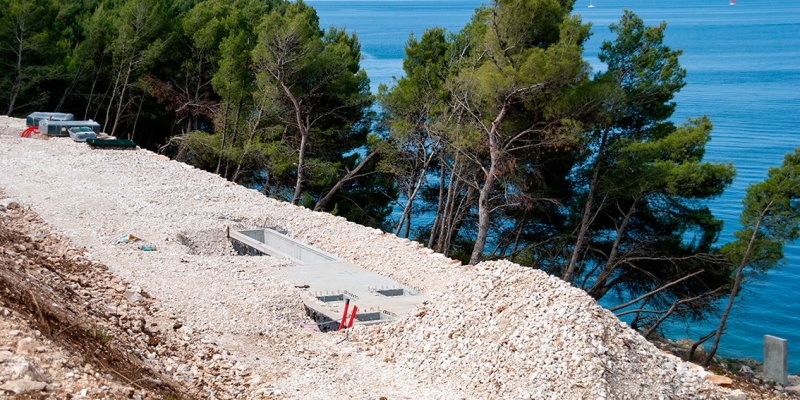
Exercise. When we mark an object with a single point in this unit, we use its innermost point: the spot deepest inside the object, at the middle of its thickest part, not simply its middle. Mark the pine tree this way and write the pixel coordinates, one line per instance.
(770, 219)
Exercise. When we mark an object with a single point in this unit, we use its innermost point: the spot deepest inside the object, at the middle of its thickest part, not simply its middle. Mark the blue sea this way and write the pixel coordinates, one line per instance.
(743, 66)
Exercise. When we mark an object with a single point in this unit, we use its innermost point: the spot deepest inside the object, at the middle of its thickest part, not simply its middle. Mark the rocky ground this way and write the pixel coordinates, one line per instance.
(87, 316)
(69, 328)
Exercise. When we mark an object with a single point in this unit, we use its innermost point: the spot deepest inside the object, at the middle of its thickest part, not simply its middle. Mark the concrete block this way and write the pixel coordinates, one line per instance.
(60, 128)
(34, 117)
(776, 360)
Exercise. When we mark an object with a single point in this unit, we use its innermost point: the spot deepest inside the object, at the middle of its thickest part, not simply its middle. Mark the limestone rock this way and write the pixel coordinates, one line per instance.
(5, 356)
(719, 380)
(26, 346)
(746, 371)
(736, 395)
(10, 204)
(27, 371)
(133, 297)
(23, 386)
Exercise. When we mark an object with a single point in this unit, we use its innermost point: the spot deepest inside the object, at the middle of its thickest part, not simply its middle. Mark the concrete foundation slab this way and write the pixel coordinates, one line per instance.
(277, 244)
(776, 360)
(330, 281)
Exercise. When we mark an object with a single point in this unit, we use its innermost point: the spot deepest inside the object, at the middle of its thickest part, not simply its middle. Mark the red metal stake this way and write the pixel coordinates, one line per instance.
(352, 316)
(27, 132)
(344, 316)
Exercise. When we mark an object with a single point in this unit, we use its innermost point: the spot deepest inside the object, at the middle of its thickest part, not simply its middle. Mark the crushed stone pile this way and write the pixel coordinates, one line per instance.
(495, 330)
(511, 332)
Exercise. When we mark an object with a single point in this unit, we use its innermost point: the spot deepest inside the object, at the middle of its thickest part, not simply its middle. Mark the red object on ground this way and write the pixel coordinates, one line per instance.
(344, 316)
(27, 132)
(352, 316)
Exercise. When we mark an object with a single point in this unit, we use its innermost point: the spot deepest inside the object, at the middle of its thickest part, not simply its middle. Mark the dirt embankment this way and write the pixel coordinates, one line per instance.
(69, 328)
(57, 336)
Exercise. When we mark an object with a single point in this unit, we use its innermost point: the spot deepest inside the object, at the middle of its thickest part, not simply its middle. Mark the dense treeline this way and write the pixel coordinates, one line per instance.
(500, 131)
(252, 90)
(522, 153)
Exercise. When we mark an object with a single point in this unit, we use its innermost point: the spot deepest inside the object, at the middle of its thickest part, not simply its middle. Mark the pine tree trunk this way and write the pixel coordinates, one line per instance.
(100, 106)
(224, 129)
(735, 290)
(437, 218)
(459, 216)
(487, 189)
(516, 241)
(69, 88)
(298, 186)
(91, 92)
(347, 178)
(253, 126)
(234, 135)
(223, 132)
(598, 288)
(136, 120)
(407, 209)
(121, 98)
(16, 87)
(447, 217)
(587, 211)
(483, 217)
(111, 101)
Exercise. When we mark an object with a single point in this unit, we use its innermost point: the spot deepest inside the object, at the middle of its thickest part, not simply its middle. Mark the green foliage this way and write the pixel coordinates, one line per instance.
(211, 72)
(638, 207)
(645, 71)
(100, 334)
(310, 83)
(500, 130)
(29, 53)
(770, 218)
(656, 228)
(522, 61)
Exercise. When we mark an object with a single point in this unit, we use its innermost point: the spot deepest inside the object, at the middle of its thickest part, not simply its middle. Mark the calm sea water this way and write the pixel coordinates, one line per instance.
(743, 67)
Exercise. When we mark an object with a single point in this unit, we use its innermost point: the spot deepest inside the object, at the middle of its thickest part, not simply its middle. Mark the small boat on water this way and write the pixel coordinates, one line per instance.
(592, 5)
(733, 2)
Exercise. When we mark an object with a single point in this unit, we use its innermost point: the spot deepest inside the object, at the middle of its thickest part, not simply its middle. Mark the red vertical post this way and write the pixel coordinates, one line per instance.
(344, 315)
(352, 316)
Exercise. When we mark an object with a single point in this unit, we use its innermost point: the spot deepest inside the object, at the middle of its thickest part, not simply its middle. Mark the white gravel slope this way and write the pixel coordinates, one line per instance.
(492, 331)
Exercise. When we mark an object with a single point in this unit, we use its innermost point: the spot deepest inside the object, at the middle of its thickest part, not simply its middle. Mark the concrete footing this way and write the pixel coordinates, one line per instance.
(776, 360)
(331, 281)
